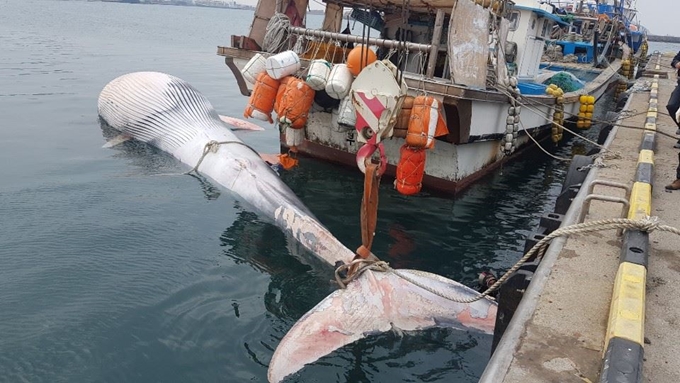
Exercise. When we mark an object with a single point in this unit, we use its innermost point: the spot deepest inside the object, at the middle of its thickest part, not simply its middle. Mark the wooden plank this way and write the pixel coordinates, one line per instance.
(263, 12)
(468, 44)
(502, 68)
(423, 6)
(332, 21)
(436, 40)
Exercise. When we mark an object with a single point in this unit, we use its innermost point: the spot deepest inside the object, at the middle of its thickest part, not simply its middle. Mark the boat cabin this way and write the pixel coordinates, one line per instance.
(531, 25)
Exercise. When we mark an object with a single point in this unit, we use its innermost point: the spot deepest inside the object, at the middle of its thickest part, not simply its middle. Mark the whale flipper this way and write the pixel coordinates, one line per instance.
(239, 124)
(117, 140)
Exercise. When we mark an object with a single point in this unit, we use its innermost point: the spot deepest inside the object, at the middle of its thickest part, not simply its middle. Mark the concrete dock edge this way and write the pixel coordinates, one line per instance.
(502, 358)
(583, 316)
(624, 341)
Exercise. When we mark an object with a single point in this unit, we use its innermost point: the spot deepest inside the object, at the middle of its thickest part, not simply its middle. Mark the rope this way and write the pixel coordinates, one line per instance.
(360, 265)
(541, 114)
(212, 147)
(276, 37)
(541, 147)
(647, 225)
(625, 115)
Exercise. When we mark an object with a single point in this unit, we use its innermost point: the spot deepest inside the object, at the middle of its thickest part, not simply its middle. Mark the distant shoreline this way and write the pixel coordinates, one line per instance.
(663, 39)
(189, 3)
(185, 3)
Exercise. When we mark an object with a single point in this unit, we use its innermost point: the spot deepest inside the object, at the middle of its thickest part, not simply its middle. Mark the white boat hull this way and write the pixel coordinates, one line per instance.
(451, 167)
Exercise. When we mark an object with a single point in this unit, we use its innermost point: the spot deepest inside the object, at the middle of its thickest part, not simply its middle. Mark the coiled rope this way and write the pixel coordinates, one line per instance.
(647, 225)
(276, 37)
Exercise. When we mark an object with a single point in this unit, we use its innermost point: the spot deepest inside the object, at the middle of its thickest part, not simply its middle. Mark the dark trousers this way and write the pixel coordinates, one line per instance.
(674, 103)
(677, 170)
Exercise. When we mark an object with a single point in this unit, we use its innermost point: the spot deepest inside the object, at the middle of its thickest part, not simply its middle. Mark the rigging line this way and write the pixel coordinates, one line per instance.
(540, 146)
(363, 40)
(363, 63)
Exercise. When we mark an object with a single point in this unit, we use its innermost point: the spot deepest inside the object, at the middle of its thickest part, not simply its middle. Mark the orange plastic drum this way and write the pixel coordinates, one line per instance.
(410, 170)
(279, 93)
(296, 102)
(261, 101)
(426, 123)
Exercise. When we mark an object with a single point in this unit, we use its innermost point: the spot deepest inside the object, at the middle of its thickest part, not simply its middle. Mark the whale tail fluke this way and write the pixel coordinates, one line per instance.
(377, 302)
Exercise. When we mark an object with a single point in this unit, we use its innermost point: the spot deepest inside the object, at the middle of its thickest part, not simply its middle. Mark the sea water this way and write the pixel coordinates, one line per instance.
(115, 268)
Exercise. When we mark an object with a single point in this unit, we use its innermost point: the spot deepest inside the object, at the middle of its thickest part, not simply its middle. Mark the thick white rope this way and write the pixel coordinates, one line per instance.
(647, 225)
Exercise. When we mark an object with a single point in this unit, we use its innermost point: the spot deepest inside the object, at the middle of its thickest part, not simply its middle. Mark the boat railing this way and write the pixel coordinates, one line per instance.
(345, 38)
(432, 50)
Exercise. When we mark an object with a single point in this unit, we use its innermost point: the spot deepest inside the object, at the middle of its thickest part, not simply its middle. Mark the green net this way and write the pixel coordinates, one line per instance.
(565, 80)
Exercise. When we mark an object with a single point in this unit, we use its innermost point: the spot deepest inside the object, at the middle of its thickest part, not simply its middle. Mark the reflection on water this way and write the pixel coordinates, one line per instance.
(293, 290)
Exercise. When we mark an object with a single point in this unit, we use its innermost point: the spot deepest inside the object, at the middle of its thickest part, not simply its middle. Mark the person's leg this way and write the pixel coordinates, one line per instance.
(675, 185)
(674, 105)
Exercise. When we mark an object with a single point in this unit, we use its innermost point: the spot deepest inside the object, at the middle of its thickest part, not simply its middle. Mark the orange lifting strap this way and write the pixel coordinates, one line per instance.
(369, 210)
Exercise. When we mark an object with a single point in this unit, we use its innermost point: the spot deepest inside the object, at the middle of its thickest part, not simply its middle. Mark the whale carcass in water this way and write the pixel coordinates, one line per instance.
(170, 114)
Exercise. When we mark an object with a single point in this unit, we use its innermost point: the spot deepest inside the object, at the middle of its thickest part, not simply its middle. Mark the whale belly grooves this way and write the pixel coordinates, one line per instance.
(158, 109)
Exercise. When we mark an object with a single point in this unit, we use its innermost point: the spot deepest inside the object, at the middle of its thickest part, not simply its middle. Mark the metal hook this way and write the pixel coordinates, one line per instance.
(365, 153)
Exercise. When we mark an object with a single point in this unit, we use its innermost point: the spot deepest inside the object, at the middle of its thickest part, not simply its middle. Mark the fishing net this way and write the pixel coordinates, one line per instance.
(565, 80)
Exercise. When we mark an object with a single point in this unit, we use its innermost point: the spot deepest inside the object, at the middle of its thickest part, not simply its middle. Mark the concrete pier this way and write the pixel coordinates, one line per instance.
(584, 298)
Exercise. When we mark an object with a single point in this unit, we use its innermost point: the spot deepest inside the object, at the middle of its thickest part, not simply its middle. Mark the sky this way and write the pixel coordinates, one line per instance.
(655, 15)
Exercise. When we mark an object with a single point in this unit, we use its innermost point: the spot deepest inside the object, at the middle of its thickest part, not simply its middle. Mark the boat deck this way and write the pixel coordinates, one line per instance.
(559, 332)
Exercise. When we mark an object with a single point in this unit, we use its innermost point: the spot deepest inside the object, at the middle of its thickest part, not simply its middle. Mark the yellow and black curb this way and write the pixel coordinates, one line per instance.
(624, 340)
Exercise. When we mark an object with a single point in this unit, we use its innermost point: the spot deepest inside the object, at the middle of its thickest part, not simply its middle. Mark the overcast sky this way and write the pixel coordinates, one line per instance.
(659, 16)
(656, 15)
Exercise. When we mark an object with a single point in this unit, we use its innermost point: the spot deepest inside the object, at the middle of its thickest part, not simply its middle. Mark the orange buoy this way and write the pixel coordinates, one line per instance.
(426, 123)
(410, 170)
(296, 101)
(261, 101)
(279, 94)
(359, 57)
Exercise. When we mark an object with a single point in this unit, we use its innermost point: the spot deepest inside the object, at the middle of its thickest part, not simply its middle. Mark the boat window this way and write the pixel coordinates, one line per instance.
(544, 32)
(514, 21)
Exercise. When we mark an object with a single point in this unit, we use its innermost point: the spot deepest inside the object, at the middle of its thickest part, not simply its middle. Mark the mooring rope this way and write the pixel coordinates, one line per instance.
(539, 113)
(647, 225)
(623, 115)
(605, 153)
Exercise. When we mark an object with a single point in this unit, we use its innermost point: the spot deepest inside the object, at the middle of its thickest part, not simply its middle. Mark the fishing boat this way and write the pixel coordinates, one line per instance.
(439, 92)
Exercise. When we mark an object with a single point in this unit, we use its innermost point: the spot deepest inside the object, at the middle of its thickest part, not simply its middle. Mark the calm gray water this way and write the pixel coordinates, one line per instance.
(112, 270)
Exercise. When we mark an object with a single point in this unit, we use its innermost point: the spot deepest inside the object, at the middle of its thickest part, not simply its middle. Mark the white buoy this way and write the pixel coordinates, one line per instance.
(254, 67)
(294, 137)
(346, 114)
(283, 64)
(339, 82)
(317, 74)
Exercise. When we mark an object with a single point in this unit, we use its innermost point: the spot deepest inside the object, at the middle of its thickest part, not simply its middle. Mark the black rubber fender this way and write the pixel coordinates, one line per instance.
(621, 103)
(576, 175)
(604, 134)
